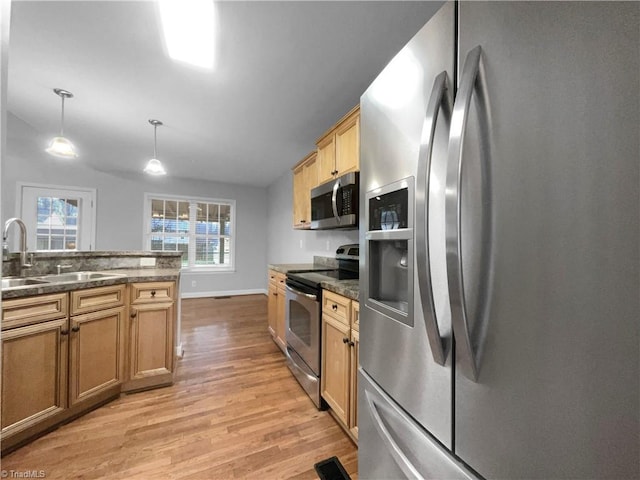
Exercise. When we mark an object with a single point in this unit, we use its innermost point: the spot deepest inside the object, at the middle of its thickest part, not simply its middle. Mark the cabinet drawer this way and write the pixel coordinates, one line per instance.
(336, 306)
(281, 280)
(26, 311)
(152, 292)
(355, 315)
(99, 298)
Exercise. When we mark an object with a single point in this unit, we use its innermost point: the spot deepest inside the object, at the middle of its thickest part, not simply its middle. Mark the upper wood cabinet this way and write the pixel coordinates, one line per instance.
(305, 177)
(339, 148)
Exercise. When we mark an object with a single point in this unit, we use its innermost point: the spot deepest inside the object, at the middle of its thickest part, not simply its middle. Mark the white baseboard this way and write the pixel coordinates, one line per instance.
(228, 293)
(179, 351)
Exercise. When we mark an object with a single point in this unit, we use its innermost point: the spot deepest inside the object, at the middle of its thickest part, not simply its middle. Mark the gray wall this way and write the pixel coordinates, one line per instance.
(120, 202)
(286, 245)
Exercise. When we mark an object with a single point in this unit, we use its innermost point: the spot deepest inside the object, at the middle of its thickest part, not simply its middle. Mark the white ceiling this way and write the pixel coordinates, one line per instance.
(285, 72)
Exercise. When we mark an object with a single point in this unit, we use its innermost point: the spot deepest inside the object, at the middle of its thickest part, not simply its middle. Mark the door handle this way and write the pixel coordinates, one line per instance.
(334, 200)
(394, 449)
(75, 329)
(440, 97)
(469, 343)
(298, 292)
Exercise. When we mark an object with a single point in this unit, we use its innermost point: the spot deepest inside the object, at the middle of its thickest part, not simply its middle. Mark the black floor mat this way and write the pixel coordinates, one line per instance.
(331, 469)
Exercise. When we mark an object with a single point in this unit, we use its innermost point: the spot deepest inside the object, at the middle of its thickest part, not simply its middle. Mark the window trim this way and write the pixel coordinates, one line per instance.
(146, 229)
(20, 186)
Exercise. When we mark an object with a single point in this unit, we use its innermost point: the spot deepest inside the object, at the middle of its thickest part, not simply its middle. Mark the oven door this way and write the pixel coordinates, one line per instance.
(303, 326)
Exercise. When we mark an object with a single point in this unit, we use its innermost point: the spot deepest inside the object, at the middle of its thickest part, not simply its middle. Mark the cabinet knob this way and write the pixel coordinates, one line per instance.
(76, 328)
(334, 306)
(64, 332)
(345, 340)
(133, 313)
(351, 344)
(303, 221)
(153, 293)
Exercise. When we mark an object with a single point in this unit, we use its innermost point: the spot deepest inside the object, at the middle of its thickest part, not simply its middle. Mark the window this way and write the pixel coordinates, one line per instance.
(200, 228)
(57, 218)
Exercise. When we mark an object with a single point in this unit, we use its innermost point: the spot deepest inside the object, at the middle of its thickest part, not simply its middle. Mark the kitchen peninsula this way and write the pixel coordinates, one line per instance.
(108, 324)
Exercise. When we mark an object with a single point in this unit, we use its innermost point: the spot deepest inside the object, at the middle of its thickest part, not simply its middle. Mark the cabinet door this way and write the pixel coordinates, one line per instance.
(348, 145)
(310, 179)
(281, 327)
(334, 381)
(326, 159)
(96, 353)
(299, 218)
(151, 340)
(34, 374)
(353, 383)
(272, 313)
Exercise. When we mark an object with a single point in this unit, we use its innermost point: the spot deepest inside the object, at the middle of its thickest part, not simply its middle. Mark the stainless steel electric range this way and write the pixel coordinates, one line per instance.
(304, 318)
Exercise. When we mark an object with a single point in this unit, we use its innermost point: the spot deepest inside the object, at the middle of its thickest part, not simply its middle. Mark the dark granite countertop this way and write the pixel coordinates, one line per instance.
(346, 288)
(290, 267)
(129, 275)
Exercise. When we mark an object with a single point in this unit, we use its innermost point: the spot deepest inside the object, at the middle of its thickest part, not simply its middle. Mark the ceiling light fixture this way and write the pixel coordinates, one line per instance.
(60, 146)
(154, 167)
(189, 30)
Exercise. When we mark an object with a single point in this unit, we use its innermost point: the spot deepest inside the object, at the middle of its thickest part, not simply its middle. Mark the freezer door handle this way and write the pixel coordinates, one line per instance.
(440, 97)
(469, 342)
(396, 451)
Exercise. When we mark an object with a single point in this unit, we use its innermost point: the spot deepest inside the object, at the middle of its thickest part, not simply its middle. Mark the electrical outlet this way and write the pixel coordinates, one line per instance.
(193, 283)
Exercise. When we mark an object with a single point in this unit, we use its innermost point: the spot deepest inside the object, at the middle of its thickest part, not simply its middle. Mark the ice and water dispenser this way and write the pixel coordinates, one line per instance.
(389, 250)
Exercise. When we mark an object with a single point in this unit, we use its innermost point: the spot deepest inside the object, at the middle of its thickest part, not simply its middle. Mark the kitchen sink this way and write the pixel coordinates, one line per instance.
(21, 282)
(79, 277)
(9, 283)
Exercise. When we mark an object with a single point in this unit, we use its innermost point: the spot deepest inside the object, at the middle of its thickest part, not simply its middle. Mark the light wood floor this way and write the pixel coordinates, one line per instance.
(235, 411)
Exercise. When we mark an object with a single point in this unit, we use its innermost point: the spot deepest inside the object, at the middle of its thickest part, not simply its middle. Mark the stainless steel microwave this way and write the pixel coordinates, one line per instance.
(335, 204)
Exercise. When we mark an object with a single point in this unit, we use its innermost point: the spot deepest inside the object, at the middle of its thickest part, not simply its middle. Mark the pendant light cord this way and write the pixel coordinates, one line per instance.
(62, 118)
(155, 140)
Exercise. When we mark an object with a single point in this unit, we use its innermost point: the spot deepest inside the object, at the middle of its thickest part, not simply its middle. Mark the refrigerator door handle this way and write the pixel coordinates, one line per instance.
(440, 97)
(468, 342)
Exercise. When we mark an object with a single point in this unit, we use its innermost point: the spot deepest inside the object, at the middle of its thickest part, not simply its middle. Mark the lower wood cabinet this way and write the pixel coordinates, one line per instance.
(335, 366)
(152, 324)
(34, 374)
(96, 353)
(340, 347)
(276, 305)
(281, 317)
(272, 303)
(65, 353)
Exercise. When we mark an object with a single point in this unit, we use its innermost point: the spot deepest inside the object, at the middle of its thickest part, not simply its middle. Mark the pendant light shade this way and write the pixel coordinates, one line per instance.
(154, 167)
(60, 146)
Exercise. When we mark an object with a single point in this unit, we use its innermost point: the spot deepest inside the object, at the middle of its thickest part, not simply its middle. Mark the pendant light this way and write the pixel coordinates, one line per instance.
(60, 146)
(154, 167)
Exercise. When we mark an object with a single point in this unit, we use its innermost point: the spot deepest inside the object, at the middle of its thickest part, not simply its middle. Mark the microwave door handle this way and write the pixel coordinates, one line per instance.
(334, 200)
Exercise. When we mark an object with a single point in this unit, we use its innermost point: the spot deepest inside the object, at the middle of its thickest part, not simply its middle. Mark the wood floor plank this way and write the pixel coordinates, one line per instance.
(235, 411)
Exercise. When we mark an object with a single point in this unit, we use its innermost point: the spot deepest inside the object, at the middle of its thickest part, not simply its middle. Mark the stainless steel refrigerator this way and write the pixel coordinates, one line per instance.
(499, 212)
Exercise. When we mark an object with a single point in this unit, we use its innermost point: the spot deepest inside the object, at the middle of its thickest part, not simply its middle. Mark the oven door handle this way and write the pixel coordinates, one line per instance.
(298, 292)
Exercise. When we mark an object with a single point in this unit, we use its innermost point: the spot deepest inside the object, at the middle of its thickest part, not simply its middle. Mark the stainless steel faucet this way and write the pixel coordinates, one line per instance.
(23, 242)
(59, 267)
